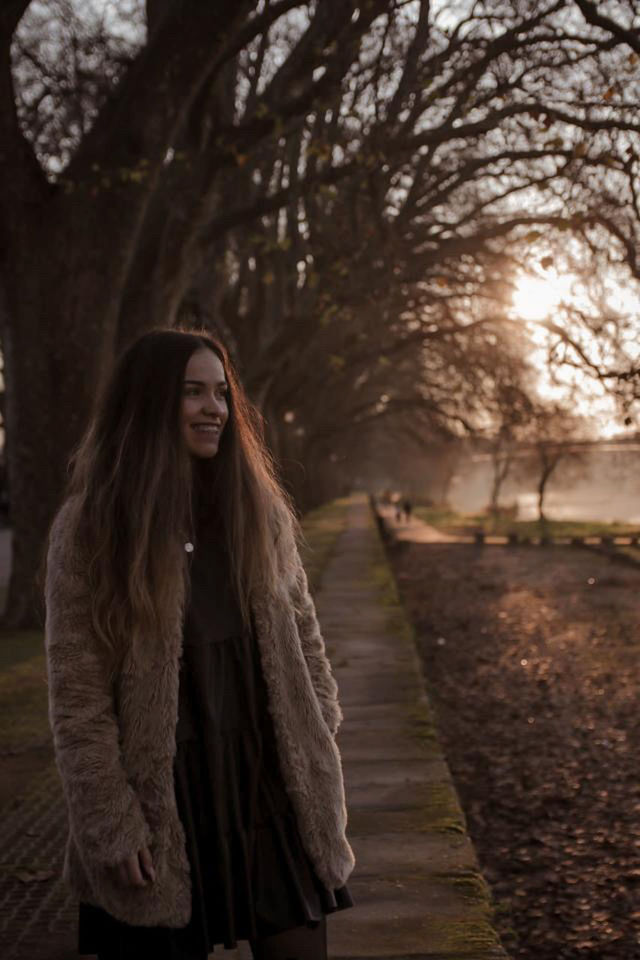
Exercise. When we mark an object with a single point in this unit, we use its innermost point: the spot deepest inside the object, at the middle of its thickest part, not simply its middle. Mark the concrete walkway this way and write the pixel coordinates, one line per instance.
(416, 885)
(418, 531)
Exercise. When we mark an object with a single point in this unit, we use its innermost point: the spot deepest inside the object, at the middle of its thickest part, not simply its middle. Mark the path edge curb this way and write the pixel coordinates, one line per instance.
(384, 540)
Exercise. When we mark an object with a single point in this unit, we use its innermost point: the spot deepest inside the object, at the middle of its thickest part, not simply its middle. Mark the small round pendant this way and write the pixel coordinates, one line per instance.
(188, 547)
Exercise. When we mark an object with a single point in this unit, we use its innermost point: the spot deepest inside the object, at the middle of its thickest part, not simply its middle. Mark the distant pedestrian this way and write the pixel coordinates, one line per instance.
(407, 507)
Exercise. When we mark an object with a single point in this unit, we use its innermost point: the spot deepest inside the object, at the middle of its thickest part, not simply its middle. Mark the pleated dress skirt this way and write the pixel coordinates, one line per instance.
(250, 874)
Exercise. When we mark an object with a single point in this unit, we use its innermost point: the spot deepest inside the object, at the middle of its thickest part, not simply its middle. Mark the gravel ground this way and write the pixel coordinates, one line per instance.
(532, 656)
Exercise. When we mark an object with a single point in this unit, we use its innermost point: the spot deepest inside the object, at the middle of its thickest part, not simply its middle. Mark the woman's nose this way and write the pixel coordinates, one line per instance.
(213, 405)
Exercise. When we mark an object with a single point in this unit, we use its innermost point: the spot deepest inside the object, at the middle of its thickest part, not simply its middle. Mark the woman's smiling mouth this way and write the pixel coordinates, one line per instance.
(213, 429)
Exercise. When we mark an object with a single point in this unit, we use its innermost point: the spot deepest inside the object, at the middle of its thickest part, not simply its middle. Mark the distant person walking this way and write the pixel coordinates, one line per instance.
(407, 507)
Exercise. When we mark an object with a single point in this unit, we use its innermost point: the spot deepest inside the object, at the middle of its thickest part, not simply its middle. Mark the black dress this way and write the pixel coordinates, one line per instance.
(250, 874)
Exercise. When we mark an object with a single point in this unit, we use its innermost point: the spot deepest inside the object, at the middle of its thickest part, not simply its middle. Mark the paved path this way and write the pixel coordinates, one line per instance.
(417, 530)
(416, 888)
(415, 884)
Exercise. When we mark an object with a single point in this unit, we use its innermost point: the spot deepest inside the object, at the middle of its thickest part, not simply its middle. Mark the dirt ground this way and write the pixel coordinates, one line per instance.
(532, 657)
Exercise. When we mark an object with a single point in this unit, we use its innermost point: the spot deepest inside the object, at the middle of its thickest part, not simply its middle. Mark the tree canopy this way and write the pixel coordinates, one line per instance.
(346, 191)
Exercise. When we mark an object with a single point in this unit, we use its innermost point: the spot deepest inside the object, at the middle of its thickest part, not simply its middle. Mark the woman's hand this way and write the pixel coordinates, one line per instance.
(132, 871)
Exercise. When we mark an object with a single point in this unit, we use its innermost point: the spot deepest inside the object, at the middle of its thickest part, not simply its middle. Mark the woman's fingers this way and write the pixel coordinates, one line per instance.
(137, 870)
(133, 873)
(147, 863)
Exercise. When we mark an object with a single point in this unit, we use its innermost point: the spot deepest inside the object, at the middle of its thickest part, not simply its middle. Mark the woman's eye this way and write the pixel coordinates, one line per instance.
(195, 392)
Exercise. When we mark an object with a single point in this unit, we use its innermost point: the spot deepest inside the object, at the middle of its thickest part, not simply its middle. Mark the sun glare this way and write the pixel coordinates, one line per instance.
(535, 298)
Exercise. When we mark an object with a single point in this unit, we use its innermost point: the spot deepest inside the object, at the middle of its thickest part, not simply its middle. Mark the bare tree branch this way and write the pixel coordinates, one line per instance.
(592, 15)
(152, 100)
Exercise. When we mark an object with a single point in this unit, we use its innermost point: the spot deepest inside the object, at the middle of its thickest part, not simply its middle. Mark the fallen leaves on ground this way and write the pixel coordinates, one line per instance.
(537, 694)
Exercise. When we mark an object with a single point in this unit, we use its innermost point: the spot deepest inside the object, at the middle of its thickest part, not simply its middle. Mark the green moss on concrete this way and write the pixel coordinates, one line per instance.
(442, 813)
(461, 937)
(421, 721)
(321, 528)
(470, 884)
(382, 578)
(441, 810)
(466, 937)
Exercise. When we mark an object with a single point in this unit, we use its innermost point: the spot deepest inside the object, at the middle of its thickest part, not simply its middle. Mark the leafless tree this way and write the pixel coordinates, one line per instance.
(346, 190)
(555, 435)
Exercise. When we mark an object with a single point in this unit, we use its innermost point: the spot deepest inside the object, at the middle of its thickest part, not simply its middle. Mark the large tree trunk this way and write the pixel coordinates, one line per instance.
(69, 248)
(58, 340)
(34, 477)
(56, 347)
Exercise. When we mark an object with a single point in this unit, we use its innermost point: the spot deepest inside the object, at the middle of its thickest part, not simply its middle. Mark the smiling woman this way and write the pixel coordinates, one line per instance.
(192, 703)
(205, 408)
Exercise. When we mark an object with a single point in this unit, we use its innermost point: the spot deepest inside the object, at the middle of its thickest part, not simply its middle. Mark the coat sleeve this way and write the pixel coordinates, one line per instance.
(313, 648)
(105, 816)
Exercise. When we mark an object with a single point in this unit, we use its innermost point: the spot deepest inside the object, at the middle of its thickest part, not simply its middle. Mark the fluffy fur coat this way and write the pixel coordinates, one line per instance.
(115, 742)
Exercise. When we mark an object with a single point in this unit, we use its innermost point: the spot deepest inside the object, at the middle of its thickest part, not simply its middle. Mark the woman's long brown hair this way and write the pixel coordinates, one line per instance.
(133, 480)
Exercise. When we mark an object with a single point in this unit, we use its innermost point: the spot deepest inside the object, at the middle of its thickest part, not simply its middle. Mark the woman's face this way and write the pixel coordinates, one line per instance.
(204, 403)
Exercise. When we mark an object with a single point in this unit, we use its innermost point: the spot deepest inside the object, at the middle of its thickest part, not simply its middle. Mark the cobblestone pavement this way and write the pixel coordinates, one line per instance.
(37, 913)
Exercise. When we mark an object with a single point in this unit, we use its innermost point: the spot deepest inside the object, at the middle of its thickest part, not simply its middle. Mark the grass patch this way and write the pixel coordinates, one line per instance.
(421, 721)
(452, 522)
(446, 519)
(17, 646)
(23, 705)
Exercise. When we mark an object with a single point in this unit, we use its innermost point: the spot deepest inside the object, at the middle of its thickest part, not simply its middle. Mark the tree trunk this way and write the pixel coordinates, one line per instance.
(542, 489)
(58, 343)
(496, 486)
(33, 490)
(47, 400)
(550, 460)
(501, 470)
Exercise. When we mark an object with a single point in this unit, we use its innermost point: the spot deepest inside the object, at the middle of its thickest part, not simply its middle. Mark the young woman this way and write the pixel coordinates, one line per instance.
(192, 705)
